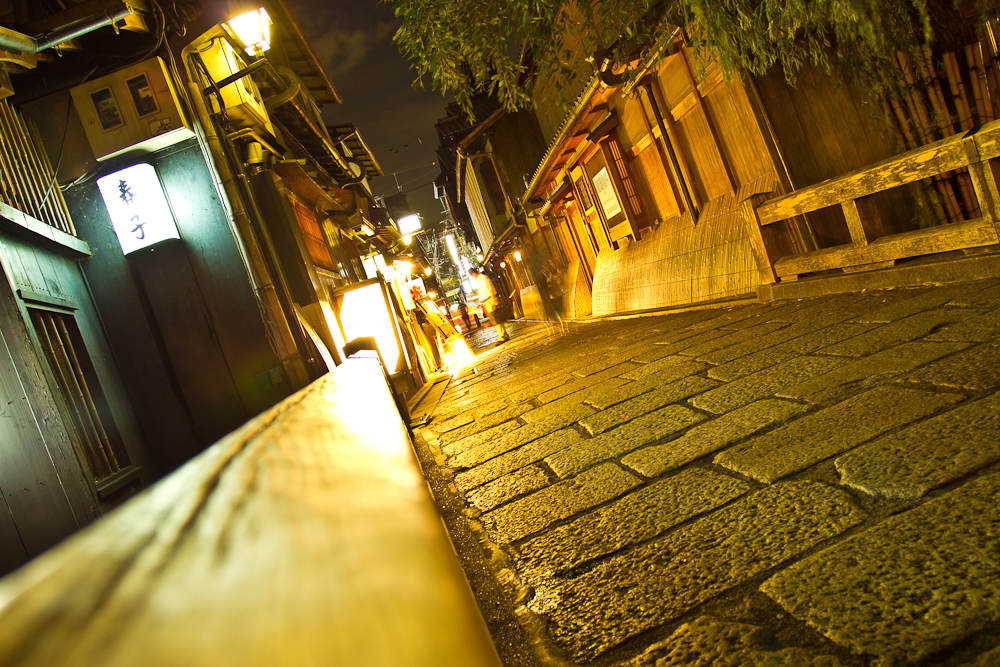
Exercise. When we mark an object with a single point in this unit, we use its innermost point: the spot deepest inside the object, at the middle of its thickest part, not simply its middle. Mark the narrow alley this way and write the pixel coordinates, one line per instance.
(811, 482)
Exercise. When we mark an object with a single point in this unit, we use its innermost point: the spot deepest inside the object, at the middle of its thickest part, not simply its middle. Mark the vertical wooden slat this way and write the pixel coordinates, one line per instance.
(59, 368)
(34, 190)
(56, 203)
(11, 165)
(76, 394)
(105, 442)
(977, 92)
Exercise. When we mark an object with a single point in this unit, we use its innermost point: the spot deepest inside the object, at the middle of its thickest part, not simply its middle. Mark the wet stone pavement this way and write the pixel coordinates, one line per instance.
(811, 483)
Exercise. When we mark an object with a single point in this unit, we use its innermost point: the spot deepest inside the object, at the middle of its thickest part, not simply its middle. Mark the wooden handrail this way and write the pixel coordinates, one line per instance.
(951, 153)
(306, 537)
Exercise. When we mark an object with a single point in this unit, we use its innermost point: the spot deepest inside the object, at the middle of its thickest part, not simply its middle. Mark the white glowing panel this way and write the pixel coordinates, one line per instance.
(138, 208)
(409, 224)
(363, 312)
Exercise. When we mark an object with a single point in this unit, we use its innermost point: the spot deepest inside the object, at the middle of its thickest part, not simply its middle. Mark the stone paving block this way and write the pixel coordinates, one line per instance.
(634, 518)
(868, 371)
(733, 338)
(569, 404)
(975, 369)
(585, 382)
(918, 582)
(900, 331)
(667, 369)
(452, 423)
(532, 513)
(679, 342)
(662, 580)
(489, 448)
(499, 491)
(707, 642)
(529, 390)
(976, 327)
(923, 299)
(765, 341)
(986, 297)
(798, 445)
(764, 383)
(518, 458)
(654, 399)
(927, 455)
(712, 436)
(645, 430)
(453, 445)
(484, 423)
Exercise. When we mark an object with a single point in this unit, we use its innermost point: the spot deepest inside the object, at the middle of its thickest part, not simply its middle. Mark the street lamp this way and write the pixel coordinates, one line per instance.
(253, 29)
(517, 255)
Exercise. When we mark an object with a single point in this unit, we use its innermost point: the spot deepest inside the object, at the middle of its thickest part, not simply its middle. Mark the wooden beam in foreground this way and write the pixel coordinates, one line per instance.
(306, 537)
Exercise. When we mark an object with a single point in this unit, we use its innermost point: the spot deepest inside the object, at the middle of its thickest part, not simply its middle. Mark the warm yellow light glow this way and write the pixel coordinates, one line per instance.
(367, 229)
(457, 355)
(408, 239)
(403, 267)
(479, 257)
(254, 30)
(503, 265)
(428, 271)
(517, 255)
(364, 313)
(432, 295)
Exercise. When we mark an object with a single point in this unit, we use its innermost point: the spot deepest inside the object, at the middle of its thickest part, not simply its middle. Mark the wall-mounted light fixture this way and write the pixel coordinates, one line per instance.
(253, 30)
(503, 265)
(428, 271)
(138, 207)
(517, 255)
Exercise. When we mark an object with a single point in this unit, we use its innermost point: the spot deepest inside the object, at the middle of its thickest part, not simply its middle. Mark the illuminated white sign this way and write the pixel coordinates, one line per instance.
(409, 224)
(138, 208)
(606, 193)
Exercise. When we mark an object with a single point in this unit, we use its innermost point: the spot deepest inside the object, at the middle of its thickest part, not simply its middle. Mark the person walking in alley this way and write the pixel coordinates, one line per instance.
(488, 298)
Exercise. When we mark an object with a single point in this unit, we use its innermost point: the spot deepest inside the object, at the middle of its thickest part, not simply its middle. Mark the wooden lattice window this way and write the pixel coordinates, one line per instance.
(626, 177)
(89, 418)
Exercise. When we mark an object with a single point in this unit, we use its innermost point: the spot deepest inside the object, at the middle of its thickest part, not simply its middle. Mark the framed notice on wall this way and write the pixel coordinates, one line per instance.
(606, 194)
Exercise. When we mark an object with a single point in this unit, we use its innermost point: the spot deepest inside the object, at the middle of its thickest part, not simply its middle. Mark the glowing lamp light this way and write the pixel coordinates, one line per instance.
(367, 230)
(253, 29)
(409, 224)
(428, 271)
(432, 295)
(517, 255)
(479, 257)
(138, 207)
(407, 239)
(363, 312)
(402, 267)
(503, 265)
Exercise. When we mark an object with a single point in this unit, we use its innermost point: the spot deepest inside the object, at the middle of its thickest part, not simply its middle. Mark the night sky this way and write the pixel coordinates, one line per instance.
(353, 39)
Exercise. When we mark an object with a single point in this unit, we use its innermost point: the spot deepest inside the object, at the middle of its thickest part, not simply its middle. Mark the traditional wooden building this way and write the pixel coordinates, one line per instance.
(175, 217)
(652, 191)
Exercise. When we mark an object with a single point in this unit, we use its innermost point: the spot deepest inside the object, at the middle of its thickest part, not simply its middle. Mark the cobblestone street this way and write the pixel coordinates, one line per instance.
(812, 482)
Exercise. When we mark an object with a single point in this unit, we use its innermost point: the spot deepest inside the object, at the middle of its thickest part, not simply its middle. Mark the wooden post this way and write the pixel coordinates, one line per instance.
(758, 246)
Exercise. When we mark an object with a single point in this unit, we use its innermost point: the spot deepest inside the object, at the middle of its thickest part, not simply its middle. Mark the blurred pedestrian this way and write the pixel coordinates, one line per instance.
(463, 310)
(491, 303)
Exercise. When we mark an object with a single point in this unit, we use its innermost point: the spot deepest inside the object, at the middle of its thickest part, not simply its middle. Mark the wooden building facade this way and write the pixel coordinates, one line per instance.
(122, 362)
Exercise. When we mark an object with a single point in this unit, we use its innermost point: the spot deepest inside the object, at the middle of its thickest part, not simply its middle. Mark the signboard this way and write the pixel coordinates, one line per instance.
(138, 207)
(606, 193)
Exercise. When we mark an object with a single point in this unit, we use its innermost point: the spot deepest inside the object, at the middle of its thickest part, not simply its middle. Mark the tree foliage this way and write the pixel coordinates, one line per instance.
(466, 46)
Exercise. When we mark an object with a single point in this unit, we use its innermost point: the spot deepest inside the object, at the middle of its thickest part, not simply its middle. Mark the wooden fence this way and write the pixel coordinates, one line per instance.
(871, 248)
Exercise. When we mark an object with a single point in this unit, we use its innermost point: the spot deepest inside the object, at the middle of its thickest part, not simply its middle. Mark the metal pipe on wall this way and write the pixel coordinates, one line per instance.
(11, 39)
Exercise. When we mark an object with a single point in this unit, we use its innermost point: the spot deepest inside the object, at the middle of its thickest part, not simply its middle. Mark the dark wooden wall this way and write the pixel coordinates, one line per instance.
(46, 493)
(825, 130)
(182, 316)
